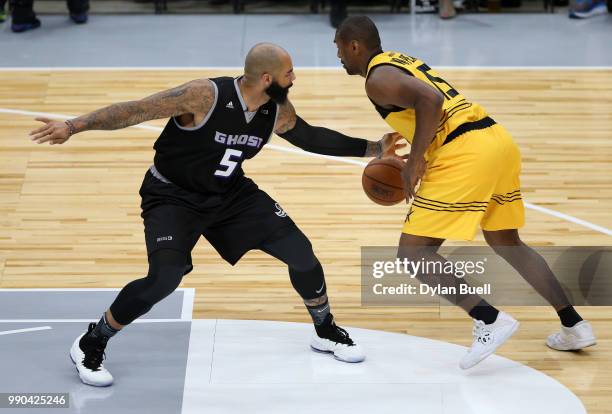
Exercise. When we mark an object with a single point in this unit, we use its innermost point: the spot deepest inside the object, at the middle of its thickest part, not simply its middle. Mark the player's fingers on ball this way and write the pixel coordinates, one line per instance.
(407, 190)
(414, 185)
(395, 137)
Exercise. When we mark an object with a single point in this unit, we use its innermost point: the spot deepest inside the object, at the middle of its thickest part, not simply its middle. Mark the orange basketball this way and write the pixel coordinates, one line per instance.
(382, 181)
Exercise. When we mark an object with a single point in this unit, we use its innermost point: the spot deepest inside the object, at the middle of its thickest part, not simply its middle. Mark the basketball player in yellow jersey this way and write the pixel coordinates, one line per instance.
(468, 168)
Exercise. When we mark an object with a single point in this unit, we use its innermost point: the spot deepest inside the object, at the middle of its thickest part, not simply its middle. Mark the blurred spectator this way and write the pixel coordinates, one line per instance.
(24, 18)
(2, 12)
(337, 12)
(583, 9)
(446, 9)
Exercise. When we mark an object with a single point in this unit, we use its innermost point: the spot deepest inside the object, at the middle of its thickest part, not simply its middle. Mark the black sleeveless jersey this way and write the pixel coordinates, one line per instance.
(208, 157)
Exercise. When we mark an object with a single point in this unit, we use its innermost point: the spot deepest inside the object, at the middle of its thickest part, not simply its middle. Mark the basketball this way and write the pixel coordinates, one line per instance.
(382, 181)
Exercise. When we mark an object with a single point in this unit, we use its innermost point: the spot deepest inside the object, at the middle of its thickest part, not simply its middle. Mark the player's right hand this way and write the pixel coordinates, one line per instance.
(413, 171)
(53, 132)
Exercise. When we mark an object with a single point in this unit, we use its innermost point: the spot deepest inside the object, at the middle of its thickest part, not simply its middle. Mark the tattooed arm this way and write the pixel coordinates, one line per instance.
(329, 142)
(195, 97)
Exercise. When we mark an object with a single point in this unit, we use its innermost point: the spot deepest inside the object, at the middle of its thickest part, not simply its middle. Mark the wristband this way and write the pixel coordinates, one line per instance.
(71, 127)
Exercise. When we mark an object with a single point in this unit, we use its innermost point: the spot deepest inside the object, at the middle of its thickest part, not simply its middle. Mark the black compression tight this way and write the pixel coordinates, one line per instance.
(167, 267)
(305, 271)
(166, 270)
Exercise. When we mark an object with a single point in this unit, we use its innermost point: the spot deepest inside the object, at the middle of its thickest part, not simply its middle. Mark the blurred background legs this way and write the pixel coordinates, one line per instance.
(23, 16)
(337, 12)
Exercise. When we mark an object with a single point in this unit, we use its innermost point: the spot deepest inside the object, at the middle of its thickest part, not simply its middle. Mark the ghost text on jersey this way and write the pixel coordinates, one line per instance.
(229, 139)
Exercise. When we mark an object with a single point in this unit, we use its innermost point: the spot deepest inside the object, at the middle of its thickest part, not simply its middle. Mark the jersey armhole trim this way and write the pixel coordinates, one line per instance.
(158, 175)
(206, 118)
(396, 108)
(273, 125)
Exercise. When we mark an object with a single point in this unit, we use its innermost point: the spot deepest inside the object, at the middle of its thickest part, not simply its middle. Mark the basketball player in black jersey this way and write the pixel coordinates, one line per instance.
(196, 186)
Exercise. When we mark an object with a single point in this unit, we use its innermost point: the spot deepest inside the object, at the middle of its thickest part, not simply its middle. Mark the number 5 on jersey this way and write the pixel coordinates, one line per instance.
(227, 162)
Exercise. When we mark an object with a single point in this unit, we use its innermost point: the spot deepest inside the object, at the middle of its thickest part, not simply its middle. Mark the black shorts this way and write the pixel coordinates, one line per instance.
(233, 223)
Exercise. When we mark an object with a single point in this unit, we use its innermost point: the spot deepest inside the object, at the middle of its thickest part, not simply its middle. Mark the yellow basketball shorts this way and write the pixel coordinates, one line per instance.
(471, 181)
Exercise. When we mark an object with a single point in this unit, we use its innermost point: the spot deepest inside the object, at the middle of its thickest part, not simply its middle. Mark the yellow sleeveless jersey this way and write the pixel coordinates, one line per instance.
(458, 113)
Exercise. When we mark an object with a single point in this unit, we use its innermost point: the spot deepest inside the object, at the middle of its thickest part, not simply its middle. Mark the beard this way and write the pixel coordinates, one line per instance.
(277, 93)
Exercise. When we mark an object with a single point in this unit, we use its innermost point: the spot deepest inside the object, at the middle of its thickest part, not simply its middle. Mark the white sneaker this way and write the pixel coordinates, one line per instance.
(487, 338)
(89, 362)
(332, 339)
(571, 339)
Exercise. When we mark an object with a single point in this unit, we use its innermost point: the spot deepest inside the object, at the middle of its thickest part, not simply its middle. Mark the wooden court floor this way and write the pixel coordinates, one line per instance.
(69, 215)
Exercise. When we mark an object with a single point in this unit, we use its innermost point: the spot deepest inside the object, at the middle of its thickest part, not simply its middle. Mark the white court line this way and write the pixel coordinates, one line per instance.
(297, 68)
(567, 217)
(312, 154)
(562, 216)
(41, 328)
(72, 289)
(187, 309)
(186, 312)
(59, 289)
(85, 320)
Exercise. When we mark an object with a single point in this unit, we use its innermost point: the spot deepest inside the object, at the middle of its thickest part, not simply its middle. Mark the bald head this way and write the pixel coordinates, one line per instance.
(265, 58)
(268, 69)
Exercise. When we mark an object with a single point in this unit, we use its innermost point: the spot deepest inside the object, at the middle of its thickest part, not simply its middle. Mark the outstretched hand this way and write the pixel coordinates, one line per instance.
(53, 132)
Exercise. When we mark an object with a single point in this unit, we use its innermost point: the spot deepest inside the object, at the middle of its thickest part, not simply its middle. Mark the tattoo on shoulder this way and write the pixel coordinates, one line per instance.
(286, 118)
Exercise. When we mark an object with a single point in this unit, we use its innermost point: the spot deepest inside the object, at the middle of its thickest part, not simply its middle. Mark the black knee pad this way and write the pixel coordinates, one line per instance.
(309, 284)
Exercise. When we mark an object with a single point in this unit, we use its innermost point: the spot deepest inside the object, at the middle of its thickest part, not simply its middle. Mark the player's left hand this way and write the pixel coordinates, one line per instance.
(413, 171)
(53, 132)
(389, 145)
